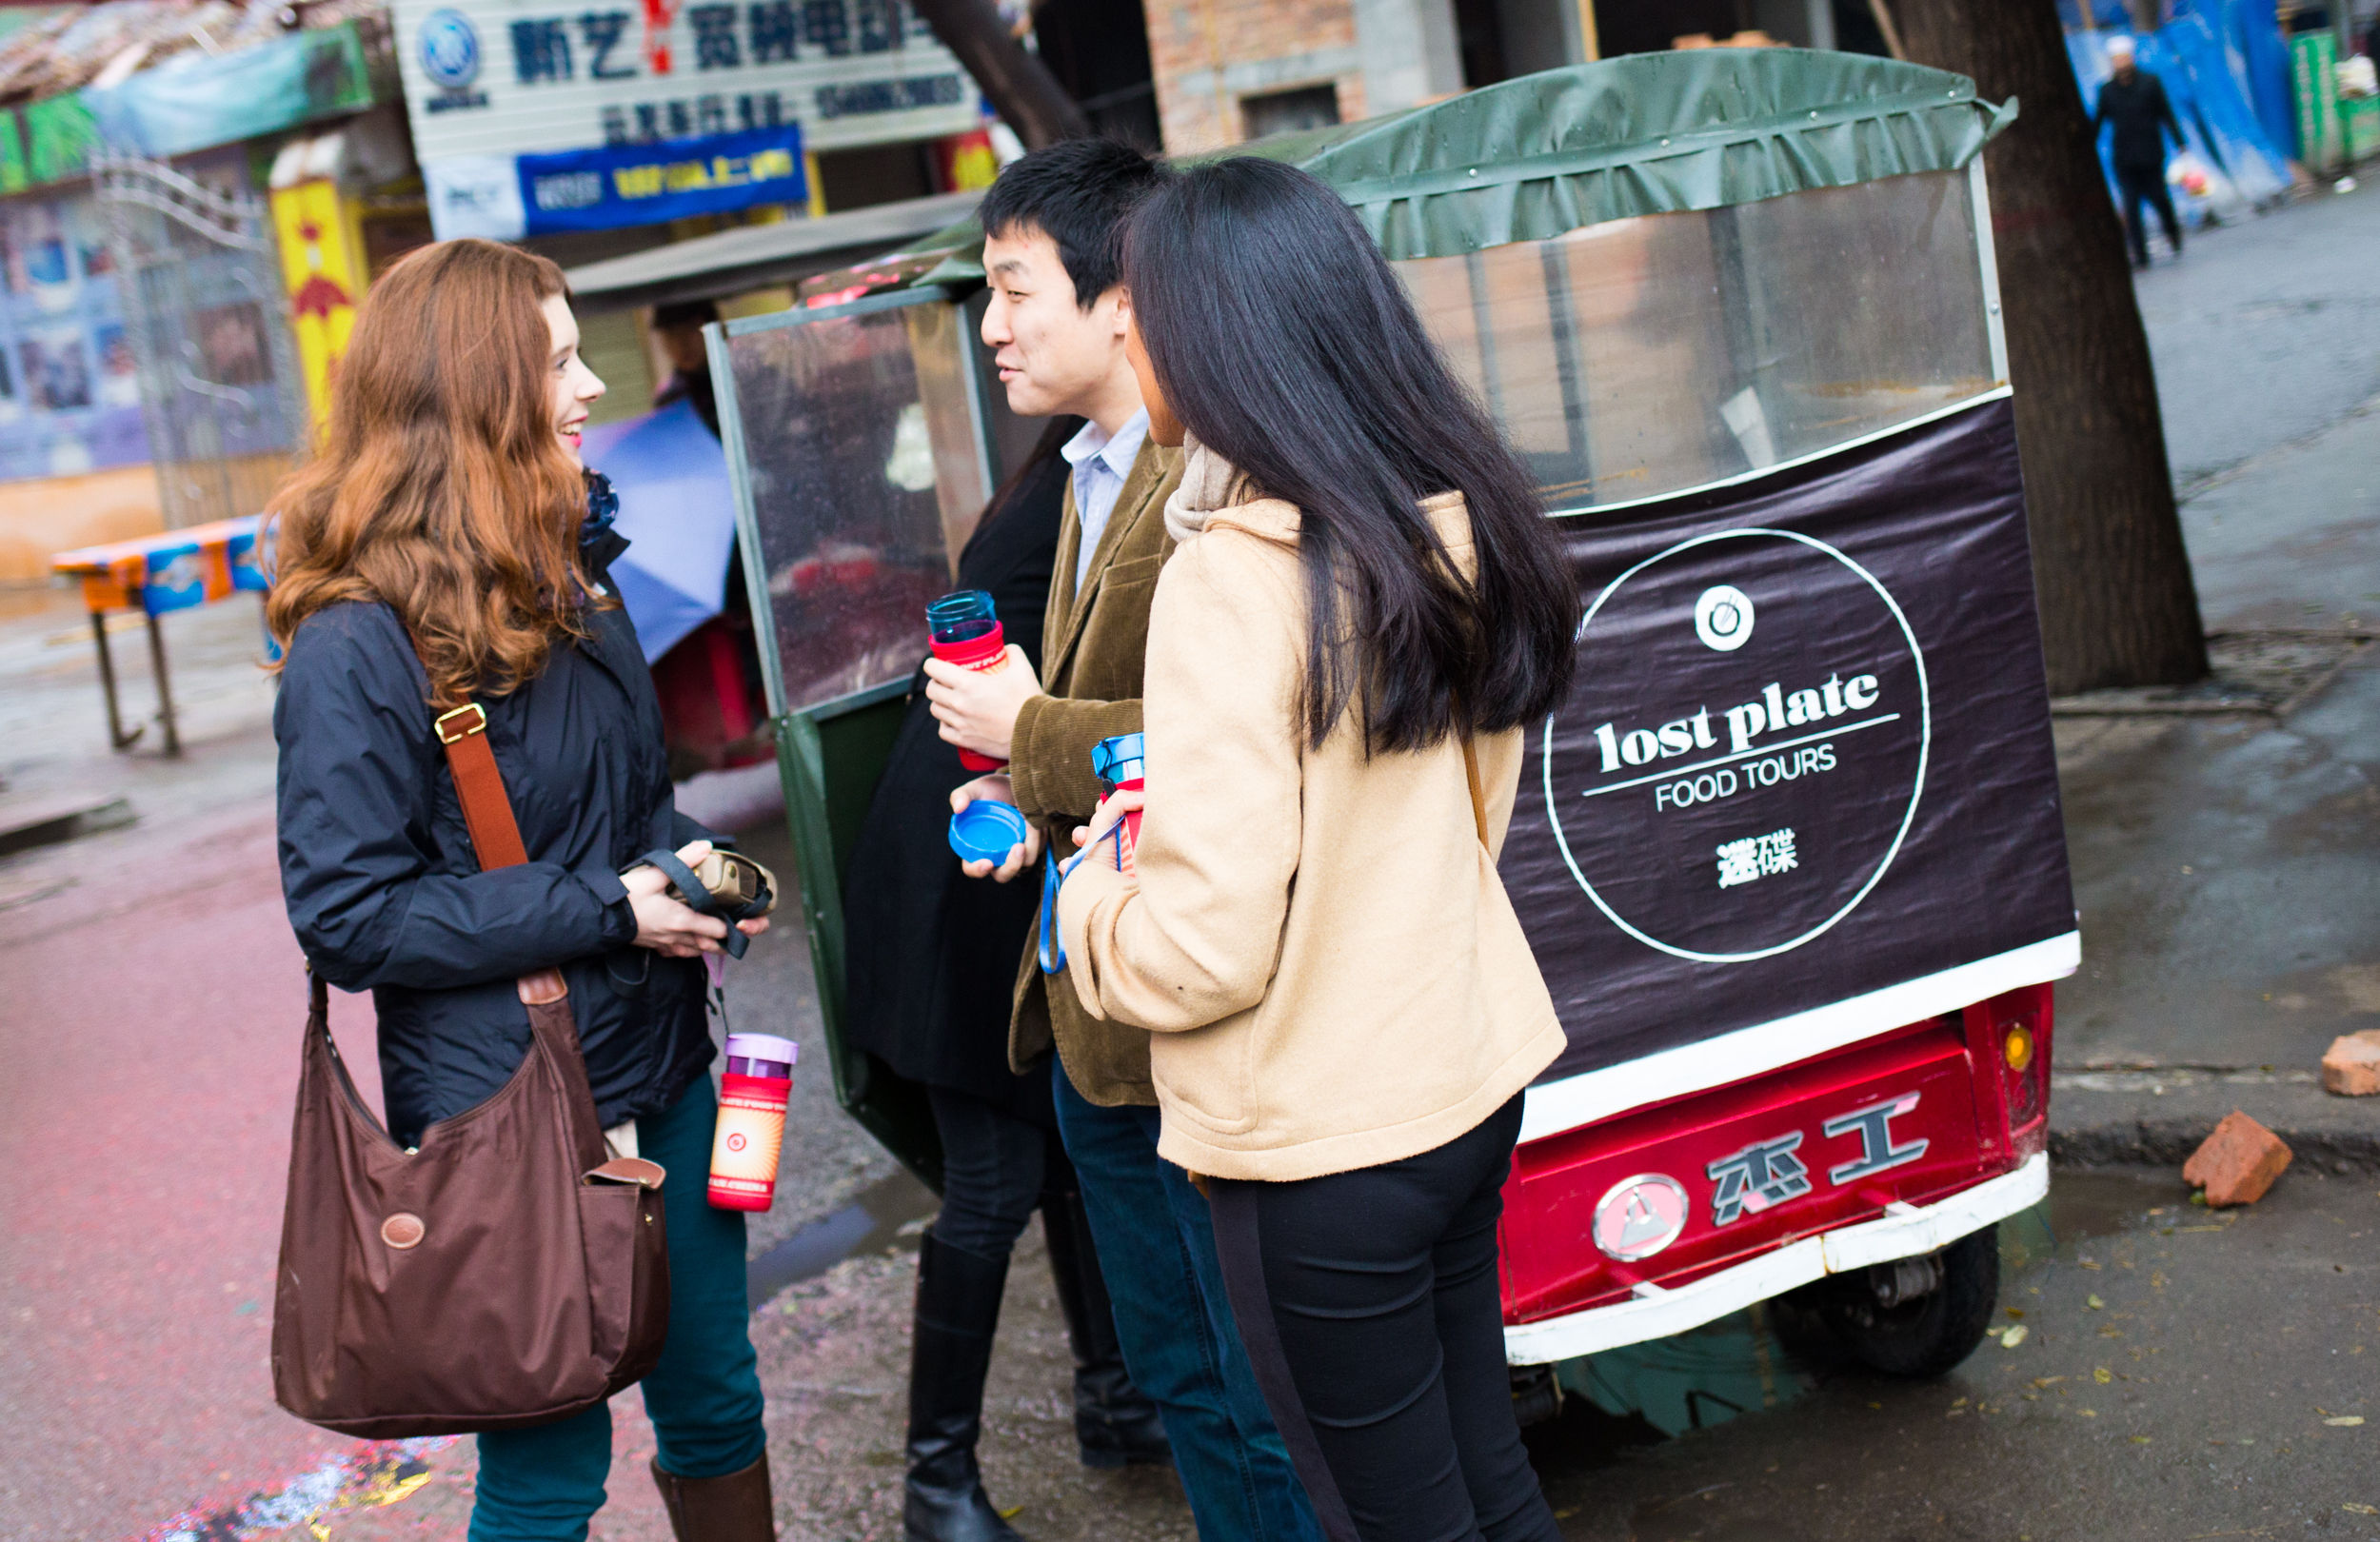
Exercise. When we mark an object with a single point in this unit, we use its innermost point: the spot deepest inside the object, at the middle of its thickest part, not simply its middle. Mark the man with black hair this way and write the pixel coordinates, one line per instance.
(678, 326)
(1058, 322)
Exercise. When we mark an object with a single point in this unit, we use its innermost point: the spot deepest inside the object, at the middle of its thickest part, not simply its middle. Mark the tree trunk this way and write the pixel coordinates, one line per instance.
(2117, 604)
(1020, 87)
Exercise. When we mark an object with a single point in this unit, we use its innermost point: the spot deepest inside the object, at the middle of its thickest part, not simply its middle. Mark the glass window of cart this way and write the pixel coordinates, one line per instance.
(1642, 356)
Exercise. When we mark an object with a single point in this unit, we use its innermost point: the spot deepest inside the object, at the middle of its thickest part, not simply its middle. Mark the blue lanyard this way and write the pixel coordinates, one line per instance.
(1051, 946)
(1050, 939)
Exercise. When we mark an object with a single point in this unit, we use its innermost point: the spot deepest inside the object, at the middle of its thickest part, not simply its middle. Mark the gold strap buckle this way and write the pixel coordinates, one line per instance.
(462, 731)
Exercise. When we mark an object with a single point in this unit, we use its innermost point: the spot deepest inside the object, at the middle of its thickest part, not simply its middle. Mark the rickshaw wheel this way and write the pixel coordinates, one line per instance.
(1874, 1316)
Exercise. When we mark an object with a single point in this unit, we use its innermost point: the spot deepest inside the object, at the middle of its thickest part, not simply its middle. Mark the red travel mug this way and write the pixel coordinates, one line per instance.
(751, 1128)
(1119, 765)
(965, 631)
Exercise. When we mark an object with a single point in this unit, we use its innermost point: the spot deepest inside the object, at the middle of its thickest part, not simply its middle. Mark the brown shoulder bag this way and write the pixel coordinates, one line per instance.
(503, 1273)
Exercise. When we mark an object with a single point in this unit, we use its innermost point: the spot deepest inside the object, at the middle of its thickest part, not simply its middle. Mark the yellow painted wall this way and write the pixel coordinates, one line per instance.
(60, 513)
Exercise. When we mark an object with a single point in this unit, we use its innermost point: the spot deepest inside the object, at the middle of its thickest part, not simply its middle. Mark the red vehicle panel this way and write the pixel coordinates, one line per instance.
(1906, 1117)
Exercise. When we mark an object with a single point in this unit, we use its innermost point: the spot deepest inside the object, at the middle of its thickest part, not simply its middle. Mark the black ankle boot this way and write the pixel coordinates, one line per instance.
(1115, 1423)
(958, 1308)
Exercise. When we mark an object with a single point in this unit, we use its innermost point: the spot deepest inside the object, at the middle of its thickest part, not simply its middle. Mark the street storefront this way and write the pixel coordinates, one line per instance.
(145, 375)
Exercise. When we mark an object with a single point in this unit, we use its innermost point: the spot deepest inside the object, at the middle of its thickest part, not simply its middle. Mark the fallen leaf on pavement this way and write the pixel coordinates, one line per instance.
(2102, 1375)
(2011, 1338)
(2095, 1304)
(2345, 1421)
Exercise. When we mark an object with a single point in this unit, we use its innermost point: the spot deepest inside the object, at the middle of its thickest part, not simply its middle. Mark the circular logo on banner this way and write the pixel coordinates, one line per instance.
(1723, 618)
(1724, 793)
(449, 49)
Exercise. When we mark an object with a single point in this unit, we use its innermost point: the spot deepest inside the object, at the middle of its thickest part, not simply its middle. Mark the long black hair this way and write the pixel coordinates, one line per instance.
(1281, 338)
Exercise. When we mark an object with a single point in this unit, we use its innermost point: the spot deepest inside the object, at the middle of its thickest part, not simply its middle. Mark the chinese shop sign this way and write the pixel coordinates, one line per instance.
(529, 116)
(600, 190)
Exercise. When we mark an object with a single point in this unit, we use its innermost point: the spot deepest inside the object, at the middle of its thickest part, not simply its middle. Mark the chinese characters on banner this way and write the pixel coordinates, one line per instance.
(529, 116)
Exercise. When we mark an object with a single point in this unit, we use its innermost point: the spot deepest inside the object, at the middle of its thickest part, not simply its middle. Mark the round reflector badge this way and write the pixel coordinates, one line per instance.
(1640, 1217)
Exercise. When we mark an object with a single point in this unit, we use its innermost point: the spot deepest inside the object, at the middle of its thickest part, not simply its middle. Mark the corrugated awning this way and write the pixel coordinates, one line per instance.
(749, 256)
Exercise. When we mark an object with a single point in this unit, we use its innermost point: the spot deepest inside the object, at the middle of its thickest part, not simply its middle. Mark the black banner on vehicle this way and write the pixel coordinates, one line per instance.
(1807, 760)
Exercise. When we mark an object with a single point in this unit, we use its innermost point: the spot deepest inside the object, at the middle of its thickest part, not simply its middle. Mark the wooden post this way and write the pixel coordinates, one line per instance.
(1891, 33)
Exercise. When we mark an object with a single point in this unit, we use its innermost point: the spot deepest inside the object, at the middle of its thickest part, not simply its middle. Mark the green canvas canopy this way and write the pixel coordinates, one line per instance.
(1646, 133)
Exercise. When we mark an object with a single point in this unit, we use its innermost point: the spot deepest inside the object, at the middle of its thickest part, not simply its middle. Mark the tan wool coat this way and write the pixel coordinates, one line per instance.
(1093, 643)
(1318, 938)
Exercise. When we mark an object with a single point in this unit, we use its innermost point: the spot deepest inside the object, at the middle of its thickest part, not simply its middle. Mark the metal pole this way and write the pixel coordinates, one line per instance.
(117, 738)
(1891, 33)
(165, 691)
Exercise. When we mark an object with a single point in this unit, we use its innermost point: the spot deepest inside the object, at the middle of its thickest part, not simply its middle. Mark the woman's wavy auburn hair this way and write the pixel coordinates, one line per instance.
(440, 486)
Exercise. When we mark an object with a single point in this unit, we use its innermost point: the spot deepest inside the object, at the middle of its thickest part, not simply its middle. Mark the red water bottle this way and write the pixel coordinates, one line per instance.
(751, 1129)
(965, 631)
(1117, 764)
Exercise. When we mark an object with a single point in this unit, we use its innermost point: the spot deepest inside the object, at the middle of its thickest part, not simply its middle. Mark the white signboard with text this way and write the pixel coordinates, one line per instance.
(487, 81)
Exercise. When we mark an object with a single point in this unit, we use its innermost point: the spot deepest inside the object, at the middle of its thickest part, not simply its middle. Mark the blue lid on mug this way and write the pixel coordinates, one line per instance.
(984, 831)
(1117, 759)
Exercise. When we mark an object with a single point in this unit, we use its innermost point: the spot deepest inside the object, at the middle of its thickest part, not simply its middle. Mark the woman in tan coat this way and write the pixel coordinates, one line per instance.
(1364, 609)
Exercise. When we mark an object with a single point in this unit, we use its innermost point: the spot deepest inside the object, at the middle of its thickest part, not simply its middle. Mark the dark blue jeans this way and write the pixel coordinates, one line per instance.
(544, 1484)
(1158, 1249)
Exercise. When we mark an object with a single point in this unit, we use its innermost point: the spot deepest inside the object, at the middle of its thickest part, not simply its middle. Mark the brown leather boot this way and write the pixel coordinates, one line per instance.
(735, 1507)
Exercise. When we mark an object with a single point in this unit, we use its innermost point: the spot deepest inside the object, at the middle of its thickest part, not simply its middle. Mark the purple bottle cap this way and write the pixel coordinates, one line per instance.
(766, 1049)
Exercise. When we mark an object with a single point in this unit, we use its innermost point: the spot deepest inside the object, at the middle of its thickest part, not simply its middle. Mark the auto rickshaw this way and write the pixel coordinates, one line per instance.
(1791, 857)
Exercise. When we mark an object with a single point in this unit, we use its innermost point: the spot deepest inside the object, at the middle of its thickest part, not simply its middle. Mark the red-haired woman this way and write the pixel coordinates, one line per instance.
(441, 549)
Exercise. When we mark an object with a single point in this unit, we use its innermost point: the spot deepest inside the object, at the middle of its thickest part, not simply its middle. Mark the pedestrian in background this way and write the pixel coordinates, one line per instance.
(677, 327)
(2134, 100)
(1057, 323)
(930, 959)
(1364, 608)
(440, 550)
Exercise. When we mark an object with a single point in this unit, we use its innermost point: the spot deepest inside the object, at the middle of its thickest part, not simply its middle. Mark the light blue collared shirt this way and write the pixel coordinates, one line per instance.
(1102, 463)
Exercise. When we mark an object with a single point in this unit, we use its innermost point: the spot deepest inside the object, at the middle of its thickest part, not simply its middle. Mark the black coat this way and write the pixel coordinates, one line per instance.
(385, 894)
(2142, 116)
(930, 954)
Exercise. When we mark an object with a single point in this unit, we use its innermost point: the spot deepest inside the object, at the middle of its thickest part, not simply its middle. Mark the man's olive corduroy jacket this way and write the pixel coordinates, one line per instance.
(1091, 646)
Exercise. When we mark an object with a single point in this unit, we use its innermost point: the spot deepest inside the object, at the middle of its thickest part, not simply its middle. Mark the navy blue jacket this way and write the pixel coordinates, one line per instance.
(386, 893)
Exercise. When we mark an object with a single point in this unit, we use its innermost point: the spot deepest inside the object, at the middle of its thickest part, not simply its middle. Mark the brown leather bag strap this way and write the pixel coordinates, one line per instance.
(481, 786)
(496, 836)
(1478, 798)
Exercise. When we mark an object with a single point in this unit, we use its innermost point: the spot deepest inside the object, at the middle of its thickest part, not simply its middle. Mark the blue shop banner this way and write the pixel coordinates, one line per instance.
(670, 179)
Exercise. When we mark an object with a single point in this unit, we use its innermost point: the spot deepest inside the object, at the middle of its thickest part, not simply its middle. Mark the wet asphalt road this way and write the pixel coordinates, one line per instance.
(2175, 1380)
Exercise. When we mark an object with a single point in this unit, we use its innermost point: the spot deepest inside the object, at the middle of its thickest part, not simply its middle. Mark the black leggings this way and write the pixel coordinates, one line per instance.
(1000, 1160)
(1368, 1302)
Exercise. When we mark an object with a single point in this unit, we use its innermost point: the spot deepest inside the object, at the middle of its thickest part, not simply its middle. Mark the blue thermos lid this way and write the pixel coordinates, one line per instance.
(1116, 761)
(984, 831)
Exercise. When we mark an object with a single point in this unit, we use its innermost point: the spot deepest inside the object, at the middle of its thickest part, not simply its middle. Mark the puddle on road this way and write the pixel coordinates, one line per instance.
(1737, 1365)
(868, 1224)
